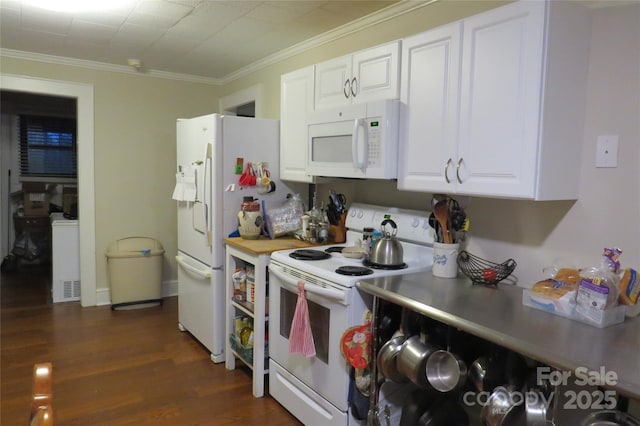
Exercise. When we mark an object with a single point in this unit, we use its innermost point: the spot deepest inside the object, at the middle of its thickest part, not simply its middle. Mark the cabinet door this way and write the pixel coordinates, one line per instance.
(296, 99)
(333, 83)
(500, 100)
(376, 73)
(429, 95)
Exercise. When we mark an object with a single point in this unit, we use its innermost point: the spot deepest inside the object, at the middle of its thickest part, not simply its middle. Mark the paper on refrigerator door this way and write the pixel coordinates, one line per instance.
(185, 189)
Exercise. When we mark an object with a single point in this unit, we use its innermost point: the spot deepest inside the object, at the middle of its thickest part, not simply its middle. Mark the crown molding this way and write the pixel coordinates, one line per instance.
(390, 12)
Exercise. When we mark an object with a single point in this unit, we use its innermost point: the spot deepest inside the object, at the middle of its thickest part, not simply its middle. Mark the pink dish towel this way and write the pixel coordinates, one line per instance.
(301, 336)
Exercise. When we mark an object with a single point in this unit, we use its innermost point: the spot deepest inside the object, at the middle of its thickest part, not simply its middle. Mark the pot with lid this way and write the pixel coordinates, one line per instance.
(387, 251)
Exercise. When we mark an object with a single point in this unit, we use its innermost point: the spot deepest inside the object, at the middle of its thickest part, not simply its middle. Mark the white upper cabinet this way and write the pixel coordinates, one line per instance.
(296, 99)
(494, 104)
(371, 74)
(429, 109)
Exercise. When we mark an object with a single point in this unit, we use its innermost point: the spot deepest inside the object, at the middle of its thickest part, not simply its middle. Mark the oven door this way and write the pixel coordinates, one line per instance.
(326, 373)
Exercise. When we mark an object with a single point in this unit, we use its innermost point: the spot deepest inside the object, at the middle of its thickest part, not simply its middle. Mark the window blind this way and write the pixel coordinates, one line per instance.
(47, 147)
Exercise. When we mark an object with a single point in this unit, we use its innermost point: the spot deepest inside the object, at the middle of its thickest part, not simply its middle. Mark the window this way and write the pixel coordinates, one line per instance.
(47, 147)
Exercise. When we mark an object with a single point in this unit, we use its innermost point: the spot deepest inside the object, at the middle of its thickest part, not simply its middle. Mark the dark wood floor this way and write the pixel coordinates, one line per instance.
(116, 367)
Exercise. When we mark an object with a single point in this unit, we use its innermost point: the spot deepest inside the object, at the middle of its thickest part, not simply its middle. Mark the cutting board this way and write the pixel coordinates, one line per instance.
(265, 246)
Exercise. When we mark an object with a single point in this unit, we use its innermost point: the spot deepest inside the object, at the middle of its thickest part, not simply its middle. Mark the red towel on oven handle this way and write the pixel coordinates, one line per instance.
(301, 336)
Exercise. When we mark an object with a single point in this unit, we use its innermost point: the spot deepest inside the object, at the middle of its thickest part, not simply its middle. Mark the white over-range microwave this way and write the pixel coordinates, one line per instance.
(354, 141)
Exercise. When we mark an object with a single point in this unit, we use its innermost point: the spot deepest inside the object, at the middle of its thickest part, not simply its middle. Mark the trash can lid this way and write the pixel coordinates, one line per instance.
(135, 247)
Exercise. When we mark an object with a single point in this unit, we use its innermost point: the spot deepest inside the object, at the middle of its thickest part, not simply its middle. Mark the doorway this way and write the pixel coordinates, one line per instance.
(83, 93)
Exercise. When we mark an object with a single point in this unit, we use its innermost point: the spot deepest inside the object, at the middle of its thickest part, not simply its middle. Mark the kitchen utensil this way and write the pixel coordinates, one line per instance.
(388, 355)
(387, 359)
(445, 371)
(482, 271)
(486, 373)
(412, 360)
(441, 212)
(610, 418)
(536, 408)
(445, 260)
(503, 408)
(339, 201)
(444, 411)
(387, 251)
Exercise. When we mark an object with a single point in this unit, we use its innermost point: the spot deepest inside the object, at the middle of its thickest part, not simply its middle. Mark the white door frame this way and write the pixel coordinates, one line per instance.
(227, 103)
(86, 182)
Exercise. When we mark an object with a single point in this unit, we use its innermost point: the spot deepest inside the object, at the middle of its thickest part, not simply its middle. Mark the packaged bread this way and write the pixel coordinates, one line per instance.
(629, 287)
(568, 275)
(553, 288)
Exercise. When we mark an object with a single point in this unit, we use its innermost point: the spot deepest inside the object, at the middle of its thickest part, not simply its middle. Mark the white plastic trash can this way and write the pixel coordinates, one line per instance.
(134, 269)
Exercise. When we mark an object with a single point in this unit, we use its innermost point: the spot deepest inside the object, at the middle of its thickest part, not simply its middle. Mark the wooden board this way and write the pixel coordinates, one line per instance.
(264, 246)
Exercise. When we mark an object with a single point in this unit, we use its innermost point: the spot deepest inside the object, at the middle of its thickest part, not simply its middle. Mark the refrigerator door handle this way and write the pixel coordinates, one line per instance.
(192, 270)
(207, 194)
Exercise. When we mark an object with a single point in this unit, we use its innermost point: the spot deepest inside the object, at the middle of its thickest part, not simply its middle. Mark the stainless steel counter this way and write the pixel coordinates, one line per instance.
(497, 315)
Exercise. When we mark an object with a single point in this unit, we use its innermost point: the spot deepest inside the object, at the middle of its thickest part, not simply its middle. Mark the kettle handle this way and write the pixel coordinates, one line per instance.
(393, 225)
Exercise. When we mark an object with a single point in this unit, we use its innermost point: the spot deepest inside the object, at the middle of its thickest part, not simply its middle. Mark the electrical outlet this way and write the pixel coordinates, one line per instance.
(607, 151)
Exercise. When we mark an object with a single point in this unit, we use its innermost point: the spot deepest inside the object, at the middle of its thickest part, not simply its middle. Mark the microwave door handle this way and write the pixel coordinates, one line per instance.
(292, 283)
(360, 143)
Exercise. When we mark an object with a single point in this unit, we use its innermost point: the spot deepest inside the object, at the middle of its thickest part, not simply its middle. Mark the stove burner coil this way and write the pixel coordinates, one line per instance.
(354, 271)
(374, 265)
(306, 254)
(334, 249)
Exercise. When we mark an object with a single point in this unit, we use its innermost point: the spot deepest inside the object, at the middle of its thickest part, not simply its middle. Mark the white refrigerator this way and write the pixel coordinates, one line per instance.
(211, 151)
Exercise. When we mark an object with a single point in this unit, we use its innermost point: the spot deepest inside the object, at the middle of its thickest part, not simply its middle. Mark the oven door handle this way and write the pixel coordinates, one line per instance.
(292, 283)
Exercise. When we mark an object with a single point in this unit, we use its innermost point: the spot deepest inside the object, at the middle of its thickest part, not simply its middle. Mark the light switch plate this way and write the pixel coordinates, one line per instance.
(607, 151)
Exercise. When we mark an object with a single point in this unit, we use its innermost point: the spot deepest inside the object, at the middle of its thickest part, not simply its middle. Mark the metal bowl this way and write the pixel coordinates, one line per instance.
(610, 418)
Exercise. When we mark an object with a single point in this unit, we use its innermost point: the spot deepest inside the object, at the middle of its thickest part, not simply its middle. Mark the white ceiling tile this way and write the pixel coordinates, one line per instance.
(91, 32)
(210, 38)
(273, 13)
(163, 8)
(45, 22)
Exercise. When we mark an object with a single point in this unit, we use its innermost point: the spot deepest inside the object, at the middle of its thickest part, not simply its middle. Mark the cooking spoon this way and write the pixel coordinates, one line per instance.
(441, 211)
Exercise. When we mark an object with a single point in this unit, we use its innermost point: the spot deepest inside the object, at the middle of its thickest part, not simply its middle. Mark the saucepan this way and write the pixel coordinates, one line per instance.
(413, 358)
(505, 407)
(387, 358)
(536, 407)
(445, 371)
(610, 418)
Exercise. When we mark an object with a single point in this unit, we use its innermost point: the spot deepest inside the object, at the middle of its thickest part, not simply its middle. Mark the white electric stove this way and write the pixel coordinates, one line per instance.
(315, 389)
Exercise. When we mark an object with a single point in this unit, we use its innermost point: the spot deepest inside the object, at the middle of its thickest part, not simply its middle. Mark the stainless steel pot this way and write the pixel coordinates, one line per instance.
(610, 418)
(387, 251)
(412, 360)
(387, 359)
(445, 371)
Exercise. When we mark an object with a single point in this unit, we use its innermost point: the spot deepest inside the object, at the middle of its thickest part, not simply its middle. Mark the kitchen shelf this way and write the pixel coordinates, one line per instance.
(498, 316)
(256, 253)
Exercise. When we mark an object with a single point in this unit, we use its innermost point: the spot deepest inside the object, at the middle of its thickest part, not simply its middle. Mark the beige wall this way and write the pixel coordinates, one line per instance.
(135, 149)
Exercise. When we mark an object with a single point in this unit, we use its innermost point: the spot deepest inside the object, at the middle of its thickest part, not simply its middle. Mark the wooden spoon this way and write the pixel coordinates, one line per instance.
(441, 212)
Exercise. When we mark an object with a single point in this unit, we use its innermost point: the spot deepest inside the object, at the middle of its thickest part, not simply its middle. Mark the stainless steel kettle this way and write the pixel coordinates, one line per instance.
(387, 251)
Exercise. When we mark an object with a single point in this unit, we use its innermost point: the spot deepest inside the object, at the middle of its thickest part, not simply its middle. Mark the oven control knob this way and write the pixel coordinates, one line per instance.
(353, 213)
(425, 225)
(415, 222)
(360, 214)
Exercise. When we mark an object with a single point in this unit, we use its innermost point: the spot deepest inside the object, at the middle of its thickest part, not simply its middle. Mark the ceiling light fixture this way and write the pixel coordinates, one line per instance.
(73, 6)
